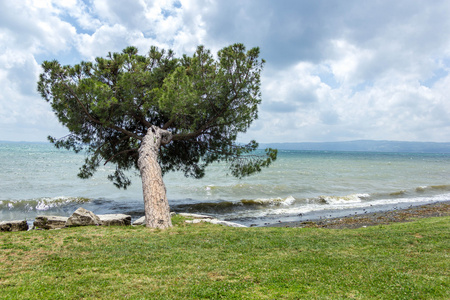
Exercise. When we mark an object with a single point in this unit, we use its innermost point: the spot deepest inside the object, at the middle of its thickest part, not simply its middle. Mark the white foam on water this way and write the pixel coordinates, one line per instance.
(289, 200)
(436, 198)
(336, 205)
(353, 198)
(42, 204)
(278, 201)
(47, 203)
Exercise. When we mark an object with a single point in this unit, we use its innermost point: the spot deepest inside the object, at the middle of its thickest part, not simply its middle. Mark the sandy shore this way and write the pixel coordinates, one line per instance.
(412, 213)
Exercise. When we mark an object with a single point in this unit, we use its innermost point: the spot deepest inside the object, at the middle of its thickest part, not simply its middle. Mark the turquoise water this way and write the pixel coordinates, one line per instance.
(38, 179)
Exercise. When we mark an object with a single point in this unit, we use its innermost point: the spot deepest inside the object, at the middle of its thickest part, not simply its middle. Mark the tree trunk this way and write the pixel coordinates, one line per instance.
(156, 205)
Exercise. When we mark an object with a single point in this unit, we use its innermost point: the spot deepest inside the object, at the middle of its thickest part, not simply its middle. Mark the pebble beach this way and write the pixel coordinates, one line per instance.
(438, 209)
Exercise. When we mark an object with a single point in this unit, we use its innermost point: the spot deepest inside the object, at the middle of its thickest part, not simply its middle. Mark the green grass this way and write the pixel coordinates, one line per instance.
(205, 261)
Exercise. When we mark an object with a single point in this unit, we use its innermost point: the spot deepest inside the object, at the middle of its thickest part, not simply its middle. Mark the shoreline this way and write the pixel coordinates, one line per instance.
(436, 209)
(337, 219)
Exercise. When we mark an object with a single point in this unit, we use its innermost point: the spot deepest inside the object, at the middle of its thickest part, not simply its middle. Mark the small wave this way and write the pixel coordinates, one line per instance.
(240, 189)
(442, 187)
(210, 187)
(270, 201)
(399, 193)
(323, 211)
(421, 189)
(40, 204)
(445, 187)
(238, 186)
(353, 198)
(233, 206)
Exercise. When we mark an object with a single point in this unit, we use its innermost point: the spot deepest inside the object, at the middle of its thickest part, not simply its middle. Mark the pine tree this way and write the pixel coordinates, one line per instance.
(158, 113)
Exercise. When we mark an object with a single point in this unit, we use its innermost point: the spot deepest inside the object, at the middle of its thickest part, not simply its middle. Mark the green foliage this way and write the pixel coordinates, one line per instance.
(108, 106)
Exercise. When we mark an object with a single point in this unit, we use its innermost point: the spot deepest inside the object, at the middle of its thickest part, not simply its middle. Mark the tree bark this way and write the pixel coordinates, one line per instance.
(156, 205)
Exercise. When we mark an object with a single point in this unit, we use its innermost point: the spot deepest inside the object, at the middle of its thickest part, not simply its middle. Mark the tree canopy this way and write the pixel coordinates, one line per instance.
(204, 102)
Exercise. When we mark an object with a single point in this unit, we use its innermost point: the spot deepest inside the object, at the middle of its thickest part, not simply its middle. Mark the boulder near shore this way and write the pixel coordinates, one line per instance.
(14, 226)
(84, 217)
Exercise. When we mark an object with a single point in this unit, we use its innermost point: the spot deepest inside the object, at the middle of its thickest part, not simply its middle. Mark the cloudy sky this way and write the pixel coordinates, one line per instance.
(335, 71)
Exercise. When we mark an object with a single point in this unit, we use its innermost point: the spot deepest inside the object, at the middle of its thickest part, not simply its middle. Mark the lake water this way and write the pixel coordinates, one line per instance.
(37, 179)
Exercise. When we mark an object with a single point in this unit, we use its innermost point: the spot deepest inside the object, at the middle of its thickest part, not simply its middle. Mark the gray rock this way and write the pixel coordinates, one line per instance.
(226, 223)
(140, 221)
(115, 220)
(50, 222)
(215, 221)
(195, 216)
(14, 226)
(204, 218)
(83, 217)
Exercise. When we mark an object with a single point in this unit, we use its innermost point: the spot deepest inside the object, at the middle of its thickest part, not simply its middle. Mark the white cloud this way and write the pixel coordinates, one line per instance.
(106, 39)
(336, 70)
(79, 12)
(27, 29)
(347, 62)
(142, 24)
(23, 115)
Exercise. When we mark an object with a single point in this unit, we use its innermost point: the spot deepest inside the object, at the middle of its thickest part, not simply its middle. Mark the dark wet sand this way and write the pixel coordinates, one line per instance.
(412, 213)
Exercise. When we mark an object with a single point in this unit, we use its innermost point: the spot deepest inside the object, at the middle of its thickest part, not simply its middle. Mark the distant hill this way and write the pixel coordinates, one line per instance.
(365, 145)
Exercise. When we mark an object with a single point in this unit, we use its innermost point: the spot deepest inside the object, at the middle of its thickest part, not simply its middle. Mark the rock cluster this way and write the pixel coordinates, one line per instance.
(83, 217)
(196, 219)
(13, 226)
(50, 222)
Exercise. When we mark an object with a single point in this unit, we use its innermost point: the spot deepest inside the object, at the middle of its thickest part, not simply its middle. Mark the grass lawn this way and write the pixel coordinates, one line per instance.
(206, 261)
